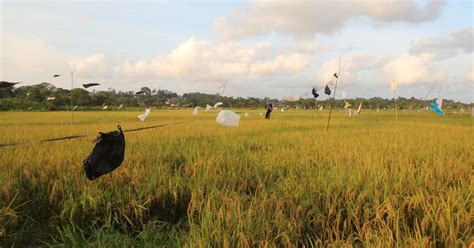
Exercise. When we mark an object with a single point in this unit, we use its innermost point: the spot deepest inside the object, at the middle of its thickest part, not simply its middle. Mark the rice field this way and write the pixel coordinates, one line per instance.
(370, 181)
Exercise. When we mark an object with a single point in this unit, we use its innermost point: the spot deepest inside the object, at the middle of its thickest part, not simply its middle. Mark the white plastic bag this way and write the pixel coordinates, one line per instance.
(343, 93)
(143, 116)
(196, 110)
(228, 118)
(439, 101)
(218, 104)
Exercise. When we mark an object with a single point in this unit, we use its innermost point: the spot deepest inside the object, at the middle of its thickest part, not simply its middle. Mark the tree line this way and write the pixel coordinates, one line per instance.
(47, 97)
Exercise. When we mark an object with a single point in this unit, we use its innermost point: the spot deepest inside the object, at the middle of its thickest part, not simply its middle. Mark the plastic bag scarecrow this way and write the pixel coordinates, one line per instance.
(269, 111)
(90, 85)
(327, 90)
(196, 110)
(228, 118)
(315, 92)
(7, 85)
(217, 105)
(107, 155)
(434, 106)
(143, 116)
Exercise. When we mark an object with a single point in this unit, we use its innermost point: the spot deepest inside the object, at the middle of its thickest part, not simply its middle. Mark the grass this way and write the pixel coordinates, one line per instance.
(369, 181)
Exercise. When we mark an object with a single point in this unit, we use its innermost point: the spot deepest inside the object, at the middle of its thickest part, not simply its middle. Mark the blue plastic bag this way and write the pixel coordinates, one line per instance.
(436, 109)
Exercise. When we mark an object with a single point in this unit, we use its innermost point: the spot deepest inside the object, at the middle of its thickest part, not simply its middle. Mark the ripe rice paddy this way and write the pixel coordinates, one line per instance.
(369, 181)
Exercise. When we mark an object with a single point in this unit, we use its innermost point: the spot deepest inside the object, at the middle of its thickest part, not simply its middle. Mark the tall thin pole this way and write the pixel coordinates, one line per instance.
(222, 92)
(396, 109)
(431, 89)
(393, 87)
(223, 88)
(316, 107)
(72, 87)
(334, 95)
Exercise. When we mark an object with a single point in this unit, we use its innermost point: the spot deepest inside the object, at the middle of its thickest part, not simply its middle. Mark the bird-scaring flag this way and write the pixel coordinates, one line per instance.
(217, 104)
(90, 85)
(228, 118)
(327, 90)
(314, 92)
(208, 107)
(196, 110)
(143, 116)
(439, 101)
(343, 93)
(6, 85)
(269, 111)
(436, 109)
(107, 155)
(359, 109)
(347, 105)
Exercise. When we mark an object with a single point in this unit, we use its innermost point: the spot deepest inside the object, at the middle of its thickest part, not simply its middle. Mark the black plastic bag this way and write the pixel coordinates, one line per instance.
(327, 90)
(90, 85)
(269, 111)
(107, 155)
(315, 93)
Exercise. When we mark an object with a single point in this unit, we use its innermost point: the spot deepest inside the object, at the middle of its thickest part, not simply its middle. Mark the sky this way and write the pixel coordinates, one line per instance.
(260, 48)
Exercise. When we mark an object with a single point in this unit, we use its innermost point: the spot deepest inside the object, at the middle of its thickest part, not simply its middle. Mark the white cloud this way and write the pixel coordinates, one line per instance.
(352, 67)
(31, 60)
(261, 69)
(445, 46)
(470, 75)
(307, 18)
(92, 66)
(200, 60)
(282, 64)
(373, 73)
(410, 69)
(28, 59)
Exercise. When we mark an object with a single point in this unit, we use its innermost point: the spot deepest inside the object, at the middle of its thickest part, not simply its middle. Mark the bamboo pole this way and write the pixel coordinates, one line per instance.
(72, 87)
(396, 109)
(334, 95)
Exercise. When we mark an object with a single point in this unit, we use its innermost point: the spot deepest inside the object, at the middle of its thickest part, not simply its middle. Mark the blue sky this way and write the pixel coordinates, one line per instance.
(261, 48)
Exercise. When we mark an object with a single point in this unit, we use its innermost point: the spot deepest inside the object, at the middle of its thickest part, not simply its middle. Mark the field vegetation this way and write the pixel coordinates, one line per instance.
(369, 181)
